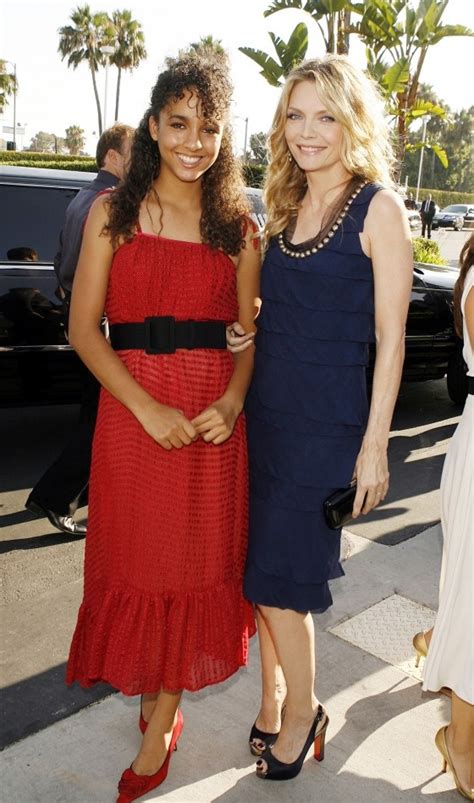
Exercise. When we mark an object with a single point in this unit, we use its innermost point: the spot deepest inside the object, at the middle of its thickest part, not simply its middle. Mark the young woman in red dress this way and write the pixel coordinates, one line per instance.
(172, 258)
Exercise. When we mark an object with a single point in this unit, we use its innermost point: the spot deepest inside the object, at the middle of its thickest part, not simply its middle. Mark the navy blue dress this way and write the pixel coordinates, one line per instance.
(307, 411)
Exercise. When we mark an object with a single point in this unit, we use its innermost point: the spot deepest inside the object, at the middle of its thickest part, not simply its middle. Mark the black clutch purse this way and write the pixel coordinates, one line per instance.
(338, 507)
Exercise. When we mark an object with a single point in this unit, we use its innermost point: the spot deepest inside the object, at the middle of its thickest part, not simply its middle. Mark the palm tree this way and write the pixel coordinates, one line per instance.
(8, 85)
(333, 20)
(129, 47)
(397, 35)
(207, 45)
(289, 54)
(401, 33)
(82, 41)
(74, 140)
(331, 16)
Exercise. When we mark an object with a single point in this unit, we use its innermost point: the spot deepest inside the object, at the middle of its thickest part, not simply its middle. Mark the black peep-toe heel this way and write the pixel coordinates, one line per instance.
(268, 739)
(279, 771)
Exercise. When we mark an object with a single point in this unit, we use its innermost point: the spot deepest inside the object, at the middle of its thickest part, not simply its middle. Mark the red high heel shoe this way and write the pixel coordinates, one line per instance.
(132, 786)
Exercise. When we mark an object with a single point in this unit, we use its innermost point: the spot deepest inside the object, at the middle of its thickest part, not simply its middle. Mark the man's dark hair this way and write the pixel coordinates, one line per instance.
(22, 254)
(112, 138)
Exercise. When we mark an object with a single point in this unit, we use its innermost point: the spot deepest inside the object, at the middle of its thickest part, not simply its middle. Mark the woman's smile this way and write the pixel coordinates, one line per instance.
(188, 161)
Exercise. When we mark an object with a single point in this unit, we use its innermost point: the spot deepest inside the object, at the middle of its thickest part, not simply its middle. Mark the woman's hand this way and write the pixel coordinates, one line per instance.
(216, 423)
(167, 426)
(237, 338)
(371, 472)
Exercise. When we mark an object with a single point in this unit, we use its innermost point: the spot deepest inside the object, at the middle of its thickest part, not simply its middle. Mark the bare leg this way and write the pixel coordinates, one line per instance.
(156, 740)
(460, 740)
(293, 637)
(273, 681)
(148, 702)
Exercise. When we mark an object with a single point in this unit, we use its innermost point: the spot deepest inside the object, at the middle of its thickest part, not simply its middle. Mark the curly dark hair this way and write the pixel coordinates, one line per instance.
(224, 205)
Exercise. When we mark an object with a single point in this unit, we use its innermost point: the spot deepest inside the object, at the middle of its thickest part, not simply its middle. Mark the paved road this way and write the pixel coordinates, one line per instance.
(43, 568)
(450, 242)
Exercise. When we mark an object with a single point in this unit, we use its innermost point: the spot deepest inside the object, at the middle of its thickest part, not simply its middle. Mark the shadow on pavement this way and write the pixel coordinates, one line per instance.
(39, 701)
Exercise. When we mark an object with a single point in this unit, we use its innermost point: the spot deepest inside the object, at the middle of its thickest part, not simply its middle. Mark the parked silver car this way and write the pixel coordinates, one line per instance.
(454, 216)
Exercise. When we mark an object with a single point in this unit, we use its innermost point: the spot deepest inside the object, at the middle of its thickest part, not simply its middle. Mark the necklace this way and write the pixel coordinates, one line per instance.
(315, 248)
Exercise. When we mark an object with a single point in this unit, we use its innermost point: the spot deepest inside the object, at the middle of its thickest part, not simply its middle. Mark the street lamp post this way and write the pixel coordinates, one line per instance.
(245, 137)
(246, 131)
(107, 50)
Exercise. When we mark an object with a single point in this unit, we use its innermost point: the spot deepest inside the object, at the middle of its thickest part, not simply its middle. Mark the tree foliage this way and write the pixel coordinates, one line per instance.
(44, 142)
(207, 45)
(288, 55)
(332, 17)
(397, 35)
(8, 84)
(90, 31)
(75, 140)
(258, 148)
(452, 133)
(129, 42)
(82, 42)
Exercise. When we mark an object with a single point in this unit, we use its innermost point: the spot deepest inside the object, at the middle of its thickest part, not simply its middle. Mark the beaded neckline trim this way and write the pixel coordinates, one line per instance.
(317, 247)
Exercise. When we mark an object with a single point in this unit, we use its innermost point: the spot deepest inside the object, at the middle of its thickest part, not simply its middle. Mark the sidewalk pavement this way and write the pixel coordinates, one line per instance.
(380, 743)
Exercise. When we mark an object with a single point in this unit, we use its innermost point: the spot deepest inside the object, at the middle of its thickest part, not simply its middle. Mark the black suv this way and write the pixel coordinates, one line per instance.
(38, 366)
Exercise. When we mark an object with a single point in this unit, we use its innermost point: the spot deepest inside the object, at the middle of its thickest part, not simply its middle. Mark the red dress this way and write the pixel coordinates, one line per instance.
(167, 533)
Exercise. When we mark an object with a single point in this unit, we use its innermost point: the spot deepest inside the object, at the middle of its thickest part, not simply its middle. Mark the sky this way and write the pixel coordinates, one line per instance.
(52, 96)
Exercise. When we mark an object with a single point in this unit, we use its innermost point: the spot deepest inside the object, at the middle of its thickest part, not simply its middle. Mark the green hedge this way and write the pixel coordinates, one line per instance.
(34, 156)
(427, 251)
(84, 167)
(55, 161)
(445, 197)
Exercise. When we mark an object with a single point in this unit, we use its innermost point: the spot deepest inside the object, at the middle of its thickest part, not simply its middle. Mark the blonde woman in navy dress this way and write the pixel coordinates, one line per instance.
(337, 276)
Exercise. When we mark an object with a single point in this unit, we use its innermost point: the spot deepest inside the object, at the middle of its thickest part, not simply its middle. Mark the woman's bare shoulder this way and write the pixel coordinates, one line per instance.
(386, 201)
(100, 209)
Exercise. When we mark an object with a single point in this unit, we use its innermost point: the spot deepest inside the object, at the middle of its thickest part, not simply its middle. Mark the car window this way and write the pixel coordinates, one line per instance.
(456, 208)
(32, 218)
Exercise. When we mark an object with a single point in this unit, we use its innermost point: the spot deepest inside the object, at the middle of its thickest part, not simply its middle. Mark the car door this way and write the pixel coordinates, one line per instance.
(30, 307)
(36, 362)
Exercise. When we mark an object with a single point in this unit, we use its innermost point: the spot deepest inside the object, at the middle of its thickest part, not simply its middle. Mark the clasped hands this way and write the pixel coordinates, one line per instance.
(170, 428)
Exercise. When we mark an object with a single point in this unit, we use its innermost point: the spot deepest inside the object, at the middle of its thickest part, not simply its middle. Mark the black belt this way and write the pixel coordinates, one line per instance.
(163, 335)
(470, 385)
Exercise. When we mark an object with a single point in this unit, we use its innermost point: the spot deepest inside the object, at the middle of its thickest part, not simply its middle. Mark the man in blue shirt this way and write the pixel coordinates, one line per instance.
(58, 493)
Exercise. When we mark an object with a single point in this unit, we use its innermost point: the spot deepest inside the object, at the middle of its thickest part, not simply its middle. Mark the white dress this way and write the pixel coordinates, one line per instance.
(450, 660)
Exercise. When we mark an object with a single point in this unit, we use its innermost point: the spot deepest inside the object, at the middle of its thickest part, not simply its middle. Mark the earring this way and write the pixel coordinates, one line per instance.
(289, 157)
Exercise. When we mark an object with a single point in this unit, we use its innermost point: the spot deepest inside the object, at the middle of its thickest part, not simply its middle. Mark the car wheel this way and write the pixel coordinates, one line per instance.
(456, 378)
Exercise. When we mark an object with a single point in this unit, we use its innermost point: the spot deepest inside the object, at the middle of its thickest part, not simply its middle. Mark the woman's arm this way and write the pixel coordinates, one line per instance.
(387, 240)
(216, 423)
(469, 315)
(164, 424)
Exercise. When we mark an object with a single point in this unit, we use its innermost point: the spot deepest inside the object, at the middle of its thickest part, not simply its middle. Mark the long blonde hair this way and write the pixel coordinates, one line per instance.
(355, 102)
